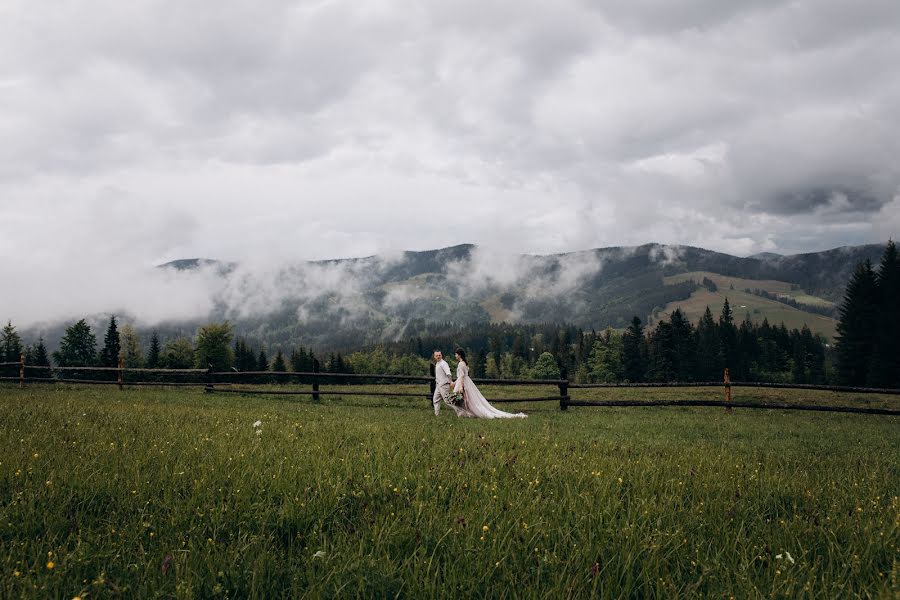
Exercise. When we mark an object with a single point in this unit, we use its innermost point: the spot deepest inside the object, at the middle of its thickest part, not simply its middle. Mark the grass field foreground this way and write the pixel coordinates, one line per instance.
(173, 493)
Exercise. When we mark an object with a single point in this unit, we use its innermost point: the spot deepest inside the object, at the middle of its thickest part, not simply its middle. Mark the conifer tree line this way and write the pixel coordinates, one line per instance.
(868, 344)
(866, 353)
(212, 347)
(673, 350)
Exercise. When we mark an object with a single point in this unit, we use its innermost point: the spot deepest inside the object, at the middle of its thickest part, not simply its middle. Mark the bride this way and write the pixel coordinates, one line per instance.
(474, 404)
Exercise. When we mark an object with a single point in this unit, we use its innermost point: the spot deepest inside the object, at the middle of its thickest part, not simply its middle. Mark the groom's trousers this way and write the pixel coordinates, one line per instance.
(441, 393)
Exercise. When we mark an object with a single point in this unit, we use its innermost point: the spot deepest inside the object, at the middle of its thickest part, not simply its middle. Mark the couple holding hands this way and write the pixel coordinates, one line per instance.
(464, 397)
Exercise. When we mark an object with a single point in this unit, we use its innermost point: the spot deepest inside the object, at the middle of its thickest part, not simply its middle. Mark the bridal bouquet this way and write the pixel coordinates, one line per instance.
(455, 398)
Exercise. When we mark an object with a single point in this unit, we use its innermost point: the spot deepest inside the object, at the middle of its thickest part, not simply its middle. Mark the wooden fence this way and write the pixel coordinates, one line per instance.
(230, 382)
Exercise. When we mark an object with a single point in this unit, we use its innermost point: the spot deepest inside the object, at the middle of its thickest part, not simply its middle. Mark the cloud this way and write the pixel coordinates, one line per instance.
(273, 132)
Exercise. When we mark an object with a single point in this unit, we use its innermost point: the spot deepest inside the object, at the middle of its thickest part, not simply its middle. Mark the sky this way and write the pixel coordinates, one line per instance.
(132, 133)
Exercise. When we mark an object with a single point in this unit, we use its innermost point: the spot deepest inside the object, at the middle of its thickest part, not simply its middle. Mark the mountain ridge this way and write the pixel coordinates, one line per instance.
(342, 302)
(349, 303)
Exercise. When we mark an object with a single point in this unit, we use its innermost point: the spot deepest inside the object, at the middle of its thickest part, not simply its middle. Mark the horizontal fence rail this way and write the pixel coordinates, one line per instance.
(317, 374)
(255, 391)
(759, 384)
(229, 382)
(720, 404)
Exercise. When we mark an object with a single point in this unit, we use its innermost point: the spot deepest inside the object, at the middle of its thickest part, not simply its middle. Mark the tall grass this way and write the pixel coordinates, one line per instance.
(173, 493)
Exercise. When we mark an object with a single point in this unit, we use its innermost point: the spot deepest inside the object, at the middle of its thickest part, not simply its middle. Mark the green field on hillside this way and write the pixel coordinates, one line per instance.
(176, 493)
(757, 307)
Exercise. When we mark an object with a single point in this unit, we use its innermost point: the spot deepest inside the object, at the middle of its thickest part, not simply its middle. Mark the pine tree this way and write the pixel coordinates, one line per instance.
(340, 366)
(798, 369)
(727, 338)
(10, 349)
(479, 363)
(278, 365)
(884, 365)
(78, 347)
(302, 361)
(748, 350)
(112, 348)
(244, 356)
(662, 361)
(684, 345)
(262, 361)
(709, 361)
(10, 344)
(39, 356)
(814, 347)
(634, 352)
(857, 326)
(153, 356)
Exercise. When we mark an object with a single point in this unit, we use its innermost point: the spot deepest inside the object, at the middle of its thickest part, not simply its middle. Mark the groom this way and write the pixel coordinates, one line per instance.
(442, 379)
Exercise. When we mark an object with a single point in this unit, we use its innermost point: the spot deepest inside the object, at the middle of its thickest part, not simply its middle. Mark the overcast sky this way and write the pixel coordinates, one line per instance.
(142, 131)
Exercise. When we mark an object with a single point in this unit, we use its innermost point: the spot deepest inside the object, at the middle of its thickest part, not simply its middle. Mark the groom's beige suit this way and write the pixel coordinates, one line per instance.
(442, 389)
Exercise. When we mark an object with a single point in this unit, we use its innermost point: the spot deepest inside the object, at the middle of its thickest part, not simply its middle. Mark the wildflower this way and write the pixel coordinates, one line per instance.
(787, 556)
(257, 424)
(319, 554)
(17, 574)
(51, 564)
(485, 529)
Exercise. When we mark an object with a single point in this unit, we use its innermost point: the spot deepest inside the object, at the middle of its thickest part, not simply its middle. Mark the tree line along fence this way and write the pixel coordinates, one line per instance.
(229, 382)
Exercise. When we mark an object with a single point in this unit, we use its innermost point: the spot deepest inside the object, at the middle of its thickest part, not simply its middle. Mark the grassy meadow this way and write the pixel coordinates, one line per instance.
(743, 303)
(153, 493)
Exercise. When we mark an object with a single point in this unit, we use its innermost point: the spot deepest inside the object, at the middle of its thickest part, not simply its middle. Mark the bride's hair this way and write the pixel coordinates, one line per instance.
(461, 353)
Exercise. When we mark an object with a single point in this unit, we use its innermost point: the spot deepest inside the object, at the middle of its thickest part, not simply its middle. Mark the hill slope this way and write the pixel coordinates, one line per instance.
(350, 302)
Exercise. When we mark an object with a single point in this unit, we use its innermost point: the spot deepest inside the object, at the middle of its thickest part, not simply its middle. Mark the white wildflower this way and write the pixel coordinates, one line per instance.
(319, 554)
(257, 424)
(787, 556)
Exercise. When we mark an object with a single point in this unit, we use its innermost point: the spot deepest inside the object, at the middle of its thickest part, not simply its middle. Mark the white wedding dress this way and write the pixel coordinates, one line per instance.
(475, 404)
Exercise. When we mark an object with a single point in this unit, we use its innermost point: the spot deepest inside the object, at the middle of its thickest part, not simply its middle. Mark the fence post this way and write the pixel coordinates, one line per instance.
(432, 385)
(727, 391)
(209, 379)
(563, 389)
(22, 371)
(119, 374)
(315, 385)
